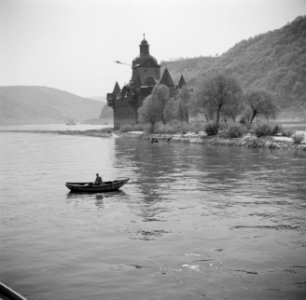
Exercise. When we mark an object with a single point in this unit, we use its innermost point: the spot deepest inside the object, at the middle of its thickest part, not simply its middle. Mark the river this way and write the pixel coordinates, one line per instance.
(194, 221)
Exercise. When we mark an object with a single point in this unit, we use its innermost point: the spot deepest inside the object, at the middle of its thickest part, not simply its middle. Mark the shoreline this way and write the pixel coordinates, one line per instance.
(248, 141)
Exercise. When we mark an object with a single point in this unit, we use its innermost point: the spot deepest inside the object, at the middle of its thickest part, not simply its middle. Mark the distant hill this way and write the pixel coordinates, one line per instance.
(275, 61)
(37, 104)
(99, 98)
(107, 113)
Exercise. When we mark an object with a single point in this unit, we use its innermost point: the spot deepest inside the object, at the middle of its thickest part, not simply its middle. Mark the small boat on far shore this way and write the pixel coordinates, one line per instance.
(70, 122)
(90, 187)
(7, 293)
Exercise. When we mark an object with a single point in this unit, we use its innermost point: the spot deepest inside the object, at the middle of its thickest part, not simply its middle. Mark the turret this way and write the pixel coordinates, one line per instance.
(110, 97)
(144, 47)
(145, 65)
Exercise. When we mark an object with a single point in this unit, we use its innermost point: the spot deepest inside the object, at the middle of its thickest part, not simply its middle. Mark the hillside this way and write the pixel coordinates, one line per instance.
(275, 61)
(36, 104)
(106, 114)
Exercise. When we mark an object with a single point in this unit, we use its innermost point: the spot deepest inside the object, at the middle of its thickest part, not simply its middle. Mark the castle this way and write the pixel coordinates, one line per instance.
(145, 75)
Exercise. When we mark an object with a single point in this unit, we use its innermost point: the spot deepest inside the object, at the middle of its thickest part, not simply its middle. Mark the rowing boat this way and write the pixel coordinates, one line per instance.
(7, 293)
(90, 187)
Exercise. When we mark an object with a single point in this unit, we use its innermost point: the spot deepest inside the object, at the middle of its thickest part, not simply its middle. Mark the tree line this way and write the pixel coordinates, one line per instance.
(219, 98)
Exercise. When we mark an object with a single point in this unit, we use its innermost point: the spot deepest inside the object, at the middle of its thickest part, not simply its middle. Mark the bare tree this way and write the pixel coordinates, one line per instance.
(216, 93)
(260, 103)
(234, 106)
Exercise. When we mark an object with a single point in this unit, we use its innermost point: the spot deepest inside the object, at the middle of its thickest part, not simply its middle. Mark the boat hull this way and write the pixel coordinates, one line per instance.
(89, 187)
(7, 293)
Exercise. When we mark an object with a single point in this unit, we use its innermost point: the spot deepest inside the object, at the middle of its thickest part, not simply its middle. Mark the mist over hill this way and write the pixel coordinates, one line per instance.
(274, 61)
(38, 105)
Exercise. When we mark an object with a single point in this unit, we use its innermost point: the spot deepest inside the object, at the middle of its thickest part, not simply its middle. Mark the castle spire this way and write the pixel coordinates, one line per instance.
(144, 46)
(116, 89)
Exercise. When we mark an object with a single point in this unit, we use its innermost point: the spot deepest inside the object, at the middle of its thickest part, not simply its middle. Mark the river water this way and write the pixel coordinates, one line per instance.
(194, 221)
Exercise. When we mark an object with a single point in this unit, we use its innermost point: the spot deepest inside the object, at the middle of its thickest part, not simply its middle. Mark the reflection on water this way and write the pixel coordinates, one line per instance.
(193, 222)
(81, 198)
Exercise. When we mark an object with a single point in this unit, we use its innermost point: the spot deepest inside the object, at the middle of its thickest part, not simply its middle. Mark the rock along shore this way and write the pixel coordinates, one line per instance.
(249, 141)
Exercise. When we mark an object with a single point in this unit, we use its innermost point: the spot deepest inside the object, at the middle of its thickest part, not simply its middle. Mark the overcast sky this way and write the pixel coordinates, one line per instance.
(72, 44)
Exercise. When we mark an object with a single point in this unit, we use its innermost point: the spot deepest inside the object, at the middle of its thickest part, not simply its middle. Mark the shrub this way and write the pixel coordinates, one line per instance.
(131, 127)
(107, 130)
(174, 126)
(245, 119)
(166, 128)
(222, 126)
(147, 128)
(186, 127)
(197, 126)
(234, 131)
(280, 131)
(263, 130)
(277, 130)
(288, 132)
(211, 129)
(298, 138)
(160, 127)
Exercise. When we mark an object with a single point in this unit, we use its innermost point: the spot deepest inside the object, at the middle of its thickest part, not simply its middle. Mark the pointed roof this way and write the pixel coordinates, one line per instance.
(181, 82)
(166, 78)
(116, 89)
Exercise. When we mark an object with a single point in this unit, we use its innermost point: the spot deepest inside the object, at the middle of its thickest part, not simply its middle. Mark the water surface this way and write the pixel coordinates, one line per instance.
(194, 222)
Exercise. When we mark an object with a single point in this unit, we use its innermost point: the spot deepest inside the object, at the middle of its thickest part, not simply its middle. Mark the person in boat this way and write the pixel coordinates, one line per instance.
(98, 179)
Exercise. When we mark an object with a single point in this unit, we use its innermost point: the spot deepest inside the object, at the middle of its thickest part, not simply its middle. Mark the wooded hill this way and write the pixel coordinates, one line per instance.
(36, 104)
(274, 61)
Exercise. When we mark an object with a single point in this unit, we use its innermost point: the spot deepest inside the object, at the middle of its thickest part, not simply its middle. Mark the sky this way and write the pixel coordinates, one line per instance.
(71, 45)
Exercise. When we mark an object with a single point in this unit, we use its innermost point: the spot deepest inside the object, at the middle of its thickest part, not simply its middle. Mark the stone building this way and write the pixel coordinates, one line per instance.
(125, 101)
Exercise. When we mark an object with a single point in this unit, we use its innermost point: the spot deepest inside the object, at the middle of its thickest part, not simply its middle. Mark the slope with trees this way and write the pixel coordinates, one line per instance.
(274, 61)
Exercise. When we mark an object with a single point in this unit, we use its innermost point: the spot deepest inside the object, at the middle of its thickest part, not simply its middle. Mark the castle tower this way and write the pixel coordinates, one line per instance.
(144, 66)
(145, 75)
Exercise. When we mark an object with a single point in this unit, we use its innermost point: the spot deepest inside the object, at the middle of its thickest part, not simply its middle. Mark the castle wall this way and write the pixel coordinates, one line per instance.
(124, 113)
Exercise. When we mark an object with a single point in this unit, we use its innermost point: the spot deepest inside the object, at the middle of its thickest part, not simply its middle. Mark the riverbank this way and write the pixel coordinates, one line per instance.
(249, 141)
